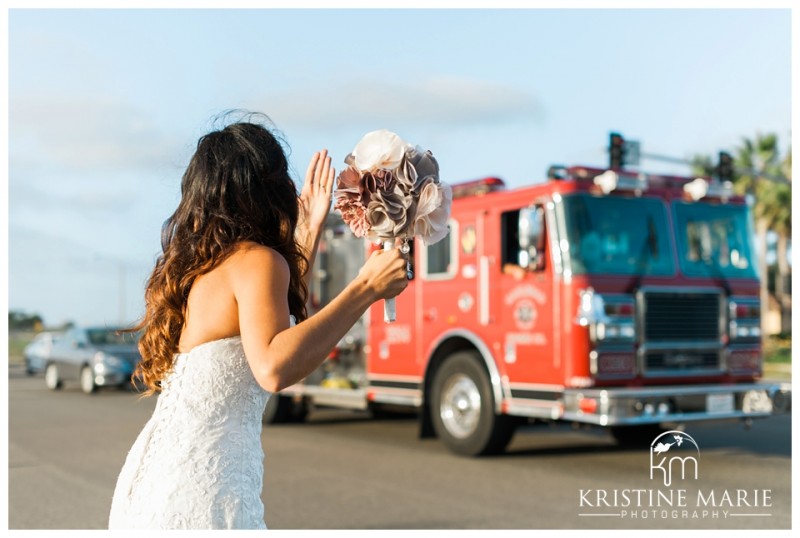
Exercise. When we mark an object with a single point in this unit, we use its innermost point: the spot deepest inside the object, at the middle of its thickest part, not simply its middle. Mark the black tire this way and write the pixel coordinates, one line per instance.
(283, 409)
(88, 386)
(52, 377)
(462, 408)
(28, 368)
(636, 436)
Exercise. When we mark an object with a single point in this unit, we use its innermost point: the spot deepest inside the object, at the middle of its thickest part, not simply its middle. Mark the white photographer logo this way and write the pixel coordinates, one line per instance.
(683, 455)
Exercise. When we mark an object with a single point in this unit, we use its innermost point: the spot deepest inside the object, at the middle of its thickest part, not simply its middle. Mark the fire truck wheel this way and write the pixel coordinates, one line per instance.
(282, 409)
(636, 436)
(462, 408)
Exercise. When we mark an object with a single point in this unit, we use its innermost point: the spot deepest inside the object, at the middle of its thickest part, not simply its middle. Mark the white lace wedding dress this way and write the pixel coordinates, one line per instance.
(198, 462)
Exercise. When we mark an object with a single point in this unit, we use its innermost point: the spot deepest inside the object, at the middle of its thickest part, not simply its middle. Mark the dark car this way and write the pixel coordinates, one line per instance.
(94, 357)
(38, 351)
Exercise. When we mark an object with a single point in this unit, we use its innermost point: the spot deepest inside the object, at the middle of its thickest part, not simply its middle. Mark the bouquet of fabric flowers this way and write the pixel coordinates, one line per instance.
(391, 189)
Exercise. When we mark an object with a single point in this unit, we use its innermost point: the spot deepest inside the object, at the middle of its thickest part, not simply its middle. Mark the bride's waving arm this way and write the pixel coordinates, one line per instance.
(314, 204)
(280, 355)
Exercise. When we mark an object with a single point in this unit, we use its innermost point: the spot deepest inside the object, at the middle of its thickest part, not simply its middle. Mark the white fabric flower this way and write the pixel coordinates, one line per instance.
(433, 210)
(381, 149)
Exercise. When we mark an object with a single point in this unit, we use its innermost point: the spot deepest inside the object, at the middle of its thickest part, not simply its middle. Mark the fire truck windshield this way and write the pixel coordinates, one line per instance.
(616, 235)
(714, 240)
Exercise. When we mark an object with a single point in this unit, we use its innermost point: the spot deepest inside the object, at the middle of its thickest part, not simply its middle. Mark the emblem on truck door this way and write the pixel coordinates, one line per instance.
(525, 314)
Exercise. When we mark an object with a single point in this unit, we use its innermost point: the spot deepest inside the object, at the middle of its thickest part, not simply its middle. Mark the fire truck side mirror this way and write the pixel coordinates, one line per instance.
(531, 238)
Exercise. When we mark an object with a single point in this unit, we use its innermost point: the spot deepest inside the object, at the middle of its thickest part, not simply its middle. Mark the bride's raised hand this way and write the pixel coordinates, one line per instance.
(315, 196)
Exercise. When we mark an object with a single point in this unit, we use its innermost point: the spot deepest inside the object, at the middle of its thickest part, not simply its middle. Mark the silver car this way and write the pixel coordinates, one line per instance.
(94, 357)
(37, 352)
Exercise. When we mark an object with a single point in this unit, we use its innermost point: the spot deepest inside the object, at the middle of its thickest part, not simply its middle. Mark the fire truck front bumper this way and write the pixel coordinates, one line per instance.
(651, 405)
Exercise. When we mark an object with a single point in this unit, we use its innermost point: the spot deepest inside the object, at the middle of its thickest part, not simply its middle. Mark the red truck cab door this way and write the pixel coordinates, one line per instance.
(526, 312)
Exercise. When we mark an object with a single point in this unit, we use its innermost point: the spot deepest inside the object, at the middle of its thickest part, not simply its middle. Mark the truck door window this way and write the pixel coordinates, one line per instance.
(510, 244)
(509, 239)
(440, 262)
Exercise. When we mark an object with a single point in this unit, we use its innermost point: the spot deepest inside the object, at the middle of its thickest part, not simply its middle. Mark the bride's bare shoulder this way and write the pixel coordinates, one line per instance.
(249, 257)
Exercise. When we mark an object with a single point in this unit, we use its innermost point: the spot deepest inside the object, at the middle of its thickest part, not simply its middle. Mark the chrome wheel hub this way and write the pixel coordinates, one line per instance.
(460, 406)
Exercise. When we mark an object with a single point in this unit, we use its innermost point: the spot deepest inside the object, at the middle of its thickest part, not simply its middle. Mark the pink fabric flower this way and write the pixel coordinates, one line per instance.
(348, 202)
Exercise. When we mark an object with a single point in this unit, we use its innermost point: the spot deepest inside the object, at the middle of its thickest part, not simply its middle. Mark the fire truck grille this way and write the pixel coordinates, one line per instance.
(681, 317)
(676, 362)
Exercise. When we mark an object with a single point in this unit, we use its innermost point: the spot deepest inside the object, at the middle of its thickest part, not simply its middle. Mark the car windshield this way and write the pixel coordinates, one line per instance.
(616, 235)
(714, 240)
(110, 336)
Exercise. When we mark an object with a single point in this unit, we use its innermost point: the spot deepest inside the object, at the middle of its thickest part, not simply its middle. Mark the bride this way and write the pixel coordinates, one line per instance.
(219, 333)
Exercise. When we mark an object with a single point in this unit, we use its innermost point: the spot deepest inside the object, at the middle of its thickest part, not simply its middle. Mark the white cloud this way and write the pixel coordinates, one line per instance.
(439, 101)
(85, 135)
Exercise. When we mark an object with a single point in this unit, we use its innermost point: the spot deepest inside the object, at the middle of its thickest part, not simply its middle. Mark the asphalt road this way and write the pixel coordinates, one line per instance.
(343, 470)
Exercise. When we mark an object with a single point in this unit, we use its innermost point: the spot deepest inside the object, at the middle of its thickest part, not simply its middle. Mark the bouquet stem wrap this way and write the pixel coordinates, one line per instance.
(389, 311)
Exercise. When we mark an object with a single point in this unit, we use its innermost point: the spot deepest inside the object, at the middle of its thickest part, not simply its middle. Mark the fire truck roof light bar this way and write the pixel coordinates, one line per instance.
(701, 188)
(610, 181)
(477, 187)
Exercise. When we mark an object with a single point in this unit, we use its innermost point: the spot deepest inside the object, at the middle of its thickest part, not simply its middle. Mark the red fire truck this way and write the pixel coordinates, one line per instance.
(604, 297)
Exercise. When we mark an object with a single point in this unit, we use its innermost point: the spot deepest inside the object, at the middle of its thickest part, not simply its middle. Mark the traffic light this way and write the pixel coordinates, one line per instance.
(616, 151)
(725, 167)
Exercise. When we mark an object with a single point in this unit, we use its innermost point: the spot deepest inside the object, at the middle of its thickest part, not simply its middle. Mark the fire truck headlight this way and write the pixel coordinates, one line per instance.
(627, 331)
(615, 331)
(745, 318)
(742, 332)
(608, 321)
(745, 331)
(591, 308)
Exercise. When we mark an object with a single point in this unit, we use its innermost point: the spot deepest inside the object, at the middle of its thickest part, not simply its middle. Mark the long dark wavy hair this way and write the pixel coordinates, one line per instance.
(236, 188)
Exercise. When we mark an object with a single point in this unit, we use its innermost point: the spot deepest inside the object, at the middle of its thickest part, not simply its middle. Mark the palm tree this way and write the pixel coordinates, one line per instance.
(758, 164)
(778, 213)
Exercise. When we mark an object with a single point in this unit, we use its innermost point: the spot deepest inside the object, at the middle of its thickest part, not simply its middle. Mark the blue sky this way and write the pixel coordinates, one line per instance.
(105, 107)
